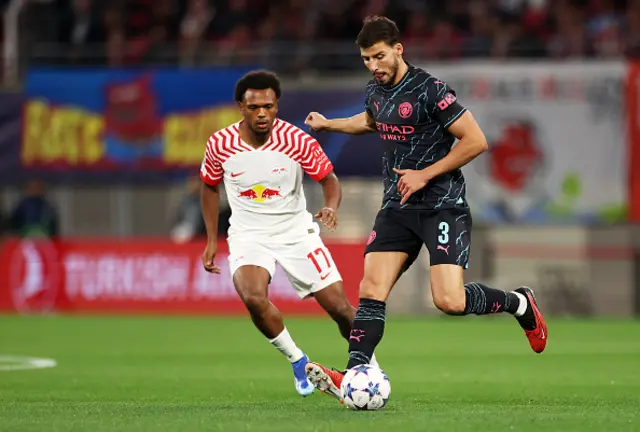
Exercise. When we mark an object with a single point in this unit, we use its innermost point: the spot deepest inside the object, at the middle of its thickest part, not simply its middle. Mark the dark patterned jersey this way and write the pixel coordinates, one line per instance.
(413, 119)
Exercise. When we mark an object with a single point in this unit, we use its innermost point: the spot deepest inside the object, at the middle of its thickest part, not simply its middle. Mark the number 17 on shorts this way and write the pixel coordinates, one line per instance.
(312, 268)
(321, 262)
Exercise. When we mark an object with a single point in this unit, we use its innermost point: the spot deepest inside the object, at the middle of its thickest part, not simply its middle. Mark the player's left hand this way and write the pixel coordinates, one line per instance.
(328, 217)
(410, 181)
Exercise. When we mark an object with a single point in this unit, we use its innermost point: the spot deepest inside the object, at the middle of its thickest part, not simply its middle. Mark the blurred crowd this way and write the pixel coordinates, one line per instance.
(33, 215)
(320, 33)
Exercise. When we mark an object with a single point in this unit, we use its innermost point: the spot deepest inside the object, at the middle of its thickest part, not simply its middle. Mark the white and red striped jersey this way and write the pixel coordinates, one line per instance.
(264, 185)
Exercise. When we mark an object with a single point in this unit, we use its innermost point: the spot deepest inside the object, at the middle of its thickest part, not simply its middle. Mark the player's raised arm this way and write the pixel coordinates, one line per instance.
(358, 124)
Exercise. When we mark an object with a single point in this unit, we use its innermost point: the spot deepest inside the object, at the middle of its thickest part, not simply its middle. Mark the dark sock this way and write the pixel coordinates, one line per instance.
(367, 331)
(482, 300)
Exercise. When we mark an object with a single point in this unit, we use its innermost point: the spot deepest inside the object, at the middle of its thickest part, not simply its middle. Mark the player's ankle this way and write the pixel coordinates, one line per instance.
(523, 304)
(285, 344)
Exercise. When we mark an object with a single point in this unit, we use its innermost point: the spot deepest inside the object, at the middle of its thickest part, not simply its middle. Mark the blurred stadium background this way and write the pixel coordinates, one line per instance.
(106, 108)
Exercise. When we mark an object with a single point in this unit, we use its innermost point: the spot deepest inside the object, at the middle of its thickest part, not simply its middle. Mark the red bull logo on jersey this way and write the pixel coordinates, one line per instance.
(259, 193)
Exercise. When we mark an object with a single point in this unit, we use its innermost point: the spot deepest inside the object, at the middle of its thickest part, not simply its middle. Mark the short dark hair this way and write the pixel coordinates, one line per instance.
(378, 29)
(257, 80)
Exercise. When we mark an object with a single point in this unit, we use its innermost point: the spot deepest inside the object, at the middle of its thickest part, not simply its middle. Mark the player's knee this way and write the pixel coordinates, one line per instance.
(255, 303)
(450, 304)
(371, 289)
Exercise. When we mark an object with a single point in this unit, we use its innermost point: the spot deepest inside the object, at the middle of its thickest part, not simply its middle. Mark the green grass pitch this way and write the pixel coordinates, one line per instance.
(219, 374)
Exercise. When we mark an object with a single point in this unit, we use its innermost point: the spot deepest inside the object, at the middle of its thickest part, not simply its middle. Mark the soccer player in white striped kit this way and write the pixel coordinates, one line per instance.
(262, 161)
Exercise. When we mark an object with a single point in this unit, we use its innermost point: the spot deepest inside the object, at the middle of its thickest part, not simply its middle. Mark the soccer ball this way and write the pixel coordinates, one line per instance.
(365, 387)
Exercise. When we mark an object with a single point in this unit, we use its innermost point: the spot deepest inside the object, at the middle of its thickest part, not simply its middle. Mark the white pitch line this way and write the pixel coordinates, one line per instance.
(13, 363)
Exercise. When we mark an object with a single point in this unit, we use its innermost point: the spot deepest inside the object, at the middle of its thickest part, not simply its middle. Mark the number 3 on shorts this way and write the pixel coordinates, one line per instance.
(443, 238)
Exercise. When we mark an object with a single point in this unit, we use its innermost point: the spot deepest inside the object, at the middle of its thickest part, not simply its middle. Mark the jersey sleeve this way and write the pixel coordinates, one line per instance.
(211, 169)
(367, 98)
(313, 159)
(442, 102)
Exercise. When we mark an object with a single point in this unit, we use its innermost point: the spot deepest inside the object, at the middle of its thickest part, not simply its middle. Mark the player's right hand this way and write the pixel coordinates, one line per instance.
(208, 256)
(316, 121)
(328, 217)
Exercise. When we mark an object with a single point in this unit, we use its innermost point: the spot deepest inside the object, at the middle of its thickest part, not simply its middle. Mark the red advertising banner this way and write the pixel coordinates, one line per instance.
(140, 276)
(633, 138)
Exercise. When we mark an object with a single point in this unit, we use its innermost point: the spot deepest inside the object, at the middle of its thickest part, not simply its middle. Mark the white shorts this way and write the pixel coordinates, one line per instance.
(307, 262)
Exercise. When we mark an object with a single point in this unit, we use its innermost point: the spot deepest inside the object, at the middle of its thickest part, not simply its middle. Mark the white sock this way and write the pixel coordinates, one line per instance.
(522, 307)
(373, 361)
(287, 346)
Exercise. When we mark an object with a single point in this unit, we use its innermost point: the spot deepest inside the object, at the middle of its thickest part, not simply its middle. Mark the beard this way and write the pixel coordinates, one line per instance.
(393, 73)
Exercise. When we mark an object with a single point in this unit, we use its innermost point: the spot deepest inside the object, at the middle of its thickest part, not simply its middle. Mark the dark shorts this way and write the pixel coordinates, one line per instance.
(446, 233)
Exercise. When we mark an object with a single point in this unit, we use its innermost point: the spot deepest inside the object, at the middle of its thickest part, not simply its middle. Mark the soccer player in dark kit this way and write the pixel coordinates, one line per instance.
(418, 118)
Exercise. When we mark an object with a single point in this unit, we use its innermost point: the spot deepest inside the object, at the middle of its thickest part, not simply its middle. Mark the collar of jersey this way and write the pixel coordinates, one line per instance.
(249, 148)
(404, 78)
